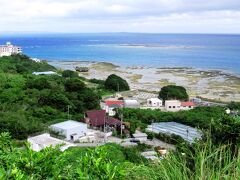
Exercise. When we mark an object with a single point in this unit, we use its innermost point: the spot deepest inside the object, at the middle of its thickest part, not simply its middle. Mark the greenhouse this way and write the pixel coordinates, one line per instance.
(186, 132)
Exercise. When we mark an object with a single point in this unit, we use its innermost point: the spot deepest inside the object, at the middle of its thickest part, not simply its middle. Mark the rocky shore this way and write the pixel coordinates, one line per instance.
(211, 84)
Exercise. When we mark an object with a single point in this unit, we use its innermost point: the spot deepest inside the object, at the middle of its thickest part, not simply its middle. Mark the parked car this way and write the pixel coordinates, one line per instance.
(135, 140)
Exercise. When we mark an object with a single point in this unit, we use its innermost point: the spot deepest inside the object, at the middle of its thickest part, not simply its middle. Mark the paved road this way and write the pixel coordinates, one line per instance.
(89, 144)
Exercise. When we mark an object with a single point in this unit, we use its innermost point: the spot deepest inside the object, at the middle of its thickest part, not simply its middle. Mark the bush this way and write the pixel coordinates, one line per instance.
(69, 74)
(170, 138)
(116, 83)
(173, 92)
(74, 85)
(97, 81)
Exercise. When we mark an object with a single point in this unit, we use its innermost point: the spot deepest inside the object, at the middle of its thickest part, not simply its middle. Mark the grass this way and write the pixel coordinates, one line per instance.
(204, 161)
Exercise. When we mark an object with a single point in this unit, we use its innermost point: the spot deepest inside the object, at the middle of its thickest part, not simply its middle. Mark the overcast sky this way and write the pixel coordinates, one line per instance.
(163, 16)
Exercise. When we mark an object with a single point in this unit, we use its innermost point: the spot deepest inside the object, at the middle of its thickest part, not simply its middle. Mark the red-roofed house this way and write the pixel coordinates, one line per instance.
(176, 105)
(187, 105)
(99, 118)
(95, 118)
(110, 105)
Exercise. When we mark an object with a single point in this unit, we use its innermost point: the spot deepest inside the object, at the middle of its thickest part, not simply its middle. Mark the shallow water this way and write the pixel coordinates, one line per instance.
(131, 49)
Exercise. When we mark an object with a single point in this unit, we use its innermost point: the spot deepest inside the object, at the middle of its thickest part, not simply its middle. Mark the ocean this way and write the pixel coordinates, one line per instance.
(135, 49)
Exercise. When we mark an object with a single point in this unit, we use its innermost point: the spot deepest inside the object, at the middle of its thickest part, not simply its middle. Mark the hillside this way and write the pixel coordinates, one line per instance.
(22, 64)
(29, 103)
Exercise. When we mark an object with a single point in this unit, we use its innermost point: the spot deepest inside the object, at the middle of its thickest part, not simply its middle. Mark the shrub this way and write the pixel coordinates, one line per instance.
(116, 83)
(173, 92)
(69, 74)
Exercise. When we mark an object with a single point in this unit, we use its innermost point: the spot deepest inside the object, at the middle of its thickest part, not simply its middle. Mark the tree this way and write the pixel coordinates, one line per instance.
(69, 74)
(74, 85)
(116, 83)
(173, 92)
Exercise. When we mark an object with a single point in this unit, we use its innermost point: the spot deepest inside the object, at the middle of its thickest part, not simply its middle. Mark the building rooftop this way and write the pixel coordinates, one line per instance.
(187, 104)
(186, 132)
(173, 101)
(139, 134)
(96, 117)
(68, 124)
(44, 73)
(45, 140)
(110, 102)
(155, 99)
(99, 117)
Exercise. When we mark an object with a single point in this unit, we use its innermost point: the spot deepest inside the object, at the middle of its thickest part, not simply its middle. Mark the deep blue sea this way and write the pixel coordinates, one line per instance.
(158, 50)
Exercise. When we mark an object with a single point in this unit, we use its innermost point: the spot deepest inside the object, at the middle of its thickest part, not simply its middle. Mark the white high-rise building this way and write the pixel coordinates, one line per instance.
(9, 49)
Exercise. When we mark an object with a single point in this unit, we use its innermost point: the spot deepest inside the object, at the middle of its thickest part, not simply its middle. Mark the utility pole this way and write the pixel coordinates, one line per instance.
(121, 123)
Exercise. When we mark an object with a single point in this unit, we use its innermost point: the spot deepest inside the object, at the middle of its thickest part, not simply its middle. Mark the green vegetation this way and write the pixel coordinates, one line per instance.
(173, 92)
(234, 106)
(225, 129)
(197, 117)
(202, 161)
(22, 64)
(116, 83)
(69, 74)
(29, 103)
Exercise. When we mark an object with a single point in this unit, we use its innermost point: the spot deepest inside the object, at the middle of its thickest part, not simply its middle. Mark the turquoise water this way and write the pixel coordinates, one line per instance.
(158, 50)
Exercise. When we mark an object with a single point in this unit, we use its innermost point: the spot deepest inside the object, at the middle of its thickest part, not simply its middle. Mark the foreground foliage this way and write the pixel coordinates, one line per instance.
(201, 161)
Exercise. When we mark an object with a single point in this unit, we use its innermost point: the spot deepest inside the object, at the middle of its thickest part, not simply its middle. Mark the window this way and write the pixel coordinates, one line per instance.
(169, 106)
(190, 106)
(174, 107)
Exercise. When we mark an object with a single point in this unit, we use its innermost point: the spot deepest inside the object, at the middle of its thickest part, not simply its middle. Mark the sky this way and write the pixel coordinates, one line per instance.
(151, 16)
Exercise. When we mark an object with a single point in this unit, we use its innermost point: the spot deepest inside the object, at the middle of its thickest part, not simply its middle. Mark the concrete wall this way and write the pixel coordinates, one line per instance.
(172, 105)
(154, 102)
(77, 132)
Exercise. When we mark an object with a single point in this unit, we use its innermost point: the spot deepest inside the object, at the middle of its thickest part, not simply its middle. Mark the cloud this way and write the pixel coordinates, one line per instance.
(64, 15)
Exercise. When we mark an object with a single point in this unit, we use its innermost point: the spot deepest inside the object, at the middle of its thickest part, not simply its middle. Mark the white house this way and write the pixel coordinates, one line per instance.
(176, 105)
(172, 105)
(9, 49)
(37, 143)
(154, 102)
(110, 105)
(72, 130)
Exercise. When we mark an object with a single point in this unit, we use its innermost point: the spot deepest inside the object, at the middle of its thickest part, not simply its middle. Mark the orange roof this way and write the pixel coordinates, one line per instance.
(187, 104)
(109, 103)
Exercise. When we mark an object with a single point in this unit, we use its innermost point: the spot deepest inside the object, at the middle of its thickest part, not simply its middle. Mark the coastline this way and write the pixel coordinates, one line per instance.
(213, 84)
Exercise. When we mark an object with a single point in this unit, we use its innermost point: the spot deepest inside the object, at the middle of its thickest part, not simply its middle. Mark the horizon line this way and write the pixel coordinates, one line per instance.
(45, 33)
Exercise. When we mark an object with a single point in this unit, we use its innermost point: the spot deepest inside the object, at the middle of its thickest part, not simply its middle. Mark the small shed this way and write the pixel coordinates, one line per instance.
(154, 102)
(140, 136)
(72, 130)
(131, 103)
